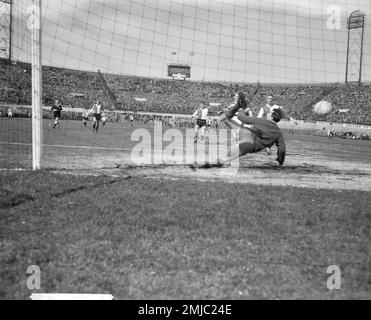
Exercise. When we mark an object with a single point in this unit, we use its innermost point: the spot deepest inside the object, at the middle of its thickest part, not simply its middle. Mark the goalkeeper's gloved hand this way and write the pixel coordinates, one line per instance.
(281, 158)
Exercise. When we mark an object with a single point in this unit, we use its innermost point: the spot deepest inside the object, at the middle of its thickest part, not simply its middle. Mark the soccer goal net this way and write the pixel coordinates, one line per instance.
(109, 62)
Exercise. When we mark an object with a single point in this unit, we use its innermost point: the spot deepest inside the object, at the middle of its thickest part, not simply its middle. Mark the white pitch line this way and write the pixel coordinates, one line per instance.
(75, 147)
(63, 146)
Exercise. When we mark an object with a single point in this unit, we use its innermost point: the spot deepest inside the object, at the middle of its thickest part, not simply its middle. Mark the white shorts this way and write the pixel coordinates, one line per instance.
(235, 119)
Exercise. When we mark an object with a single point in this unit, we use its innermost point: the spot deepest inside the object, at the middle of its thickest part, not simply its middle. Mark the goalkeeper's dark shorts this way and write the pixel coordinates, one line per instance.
(56, 114)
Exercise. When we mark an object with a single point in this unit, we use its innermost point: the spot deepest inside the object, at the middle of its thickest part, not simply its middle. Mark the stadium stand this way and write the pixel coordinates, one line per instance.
(80, 89)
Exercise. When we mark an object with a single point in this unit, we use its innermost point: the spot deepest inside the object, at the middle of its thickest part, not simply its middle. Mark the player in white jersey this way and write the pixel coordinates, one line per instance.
(10, 114)
(97, 111)
(266, 111)
(209, 123)
(201, 116)
(104, 118)
(85, 117)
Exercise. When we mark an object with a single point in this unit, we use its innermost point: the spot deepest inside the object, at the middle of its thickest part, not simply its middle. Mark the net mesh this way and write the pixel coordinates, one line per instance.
(225, 40)
(294, 50)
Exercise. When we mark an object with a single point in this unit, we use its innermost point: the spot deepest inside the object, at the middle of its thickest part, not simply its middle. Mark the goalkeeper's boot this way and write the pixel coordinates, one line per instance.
(231, 110)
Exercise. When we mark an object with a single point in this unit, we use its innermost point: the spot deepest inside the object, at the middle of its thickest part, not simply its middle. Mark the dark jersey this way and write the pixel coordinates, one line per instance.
(57, 108)
(266, 133)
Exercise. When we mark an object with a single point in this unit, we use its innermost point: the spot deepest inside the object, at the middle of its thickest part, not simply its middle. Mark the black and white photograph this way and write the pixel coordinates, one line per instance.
(208, 151)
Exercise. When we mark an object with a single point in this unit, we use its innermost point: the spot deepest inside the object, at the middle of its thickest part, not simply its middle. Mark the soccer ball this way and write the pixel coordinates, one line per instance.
(322, 108)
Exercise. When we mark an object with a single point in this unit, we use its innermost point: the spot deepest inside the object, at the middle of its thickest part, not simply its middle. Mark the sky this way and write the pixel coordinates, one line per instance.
(270, 41)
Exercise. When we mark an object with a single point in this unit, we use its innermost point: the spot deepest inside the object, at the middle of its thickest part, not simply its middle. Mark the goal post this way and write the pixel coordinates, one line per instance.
(35, 26)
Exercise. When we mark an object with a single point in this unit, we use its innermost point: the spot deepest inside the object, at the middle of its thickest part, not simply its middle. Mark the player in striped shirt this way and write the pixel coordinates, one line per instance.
(265, 112)
(97, 111)
(201, 116)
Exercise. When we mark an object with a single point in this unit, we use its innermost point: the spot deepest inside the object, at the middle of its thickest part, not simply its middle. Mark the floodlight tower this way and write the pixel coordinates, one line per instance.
(6, 17)
(356, 26)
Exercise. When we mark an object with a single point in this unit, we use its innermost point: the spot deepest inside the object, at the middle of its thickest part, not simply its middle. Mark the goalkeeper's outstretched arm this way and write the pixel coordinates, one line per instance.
(281, 150)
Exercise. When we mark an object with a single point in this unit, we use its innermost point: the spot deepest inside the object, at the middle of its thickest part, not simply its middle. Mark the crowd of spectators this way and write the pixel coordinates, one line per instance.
(356, 99)
(80, 89)
(151, 119)
(15, 83)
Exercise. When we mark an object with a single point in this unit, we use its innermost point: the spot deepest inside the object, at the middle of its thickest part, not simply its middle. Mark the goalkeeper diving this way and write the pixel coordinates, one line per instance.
(256, 134)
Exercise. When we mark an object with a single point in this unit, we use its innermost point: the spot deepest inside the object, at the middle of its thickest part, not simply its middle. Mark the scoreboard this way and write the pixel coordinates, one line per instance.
(179, 69)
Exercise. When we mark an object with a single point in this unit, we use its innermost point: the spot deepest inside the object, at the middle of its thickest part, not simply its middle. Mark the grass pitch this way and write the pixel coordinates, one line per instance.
(141, 238)
(176, 233)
